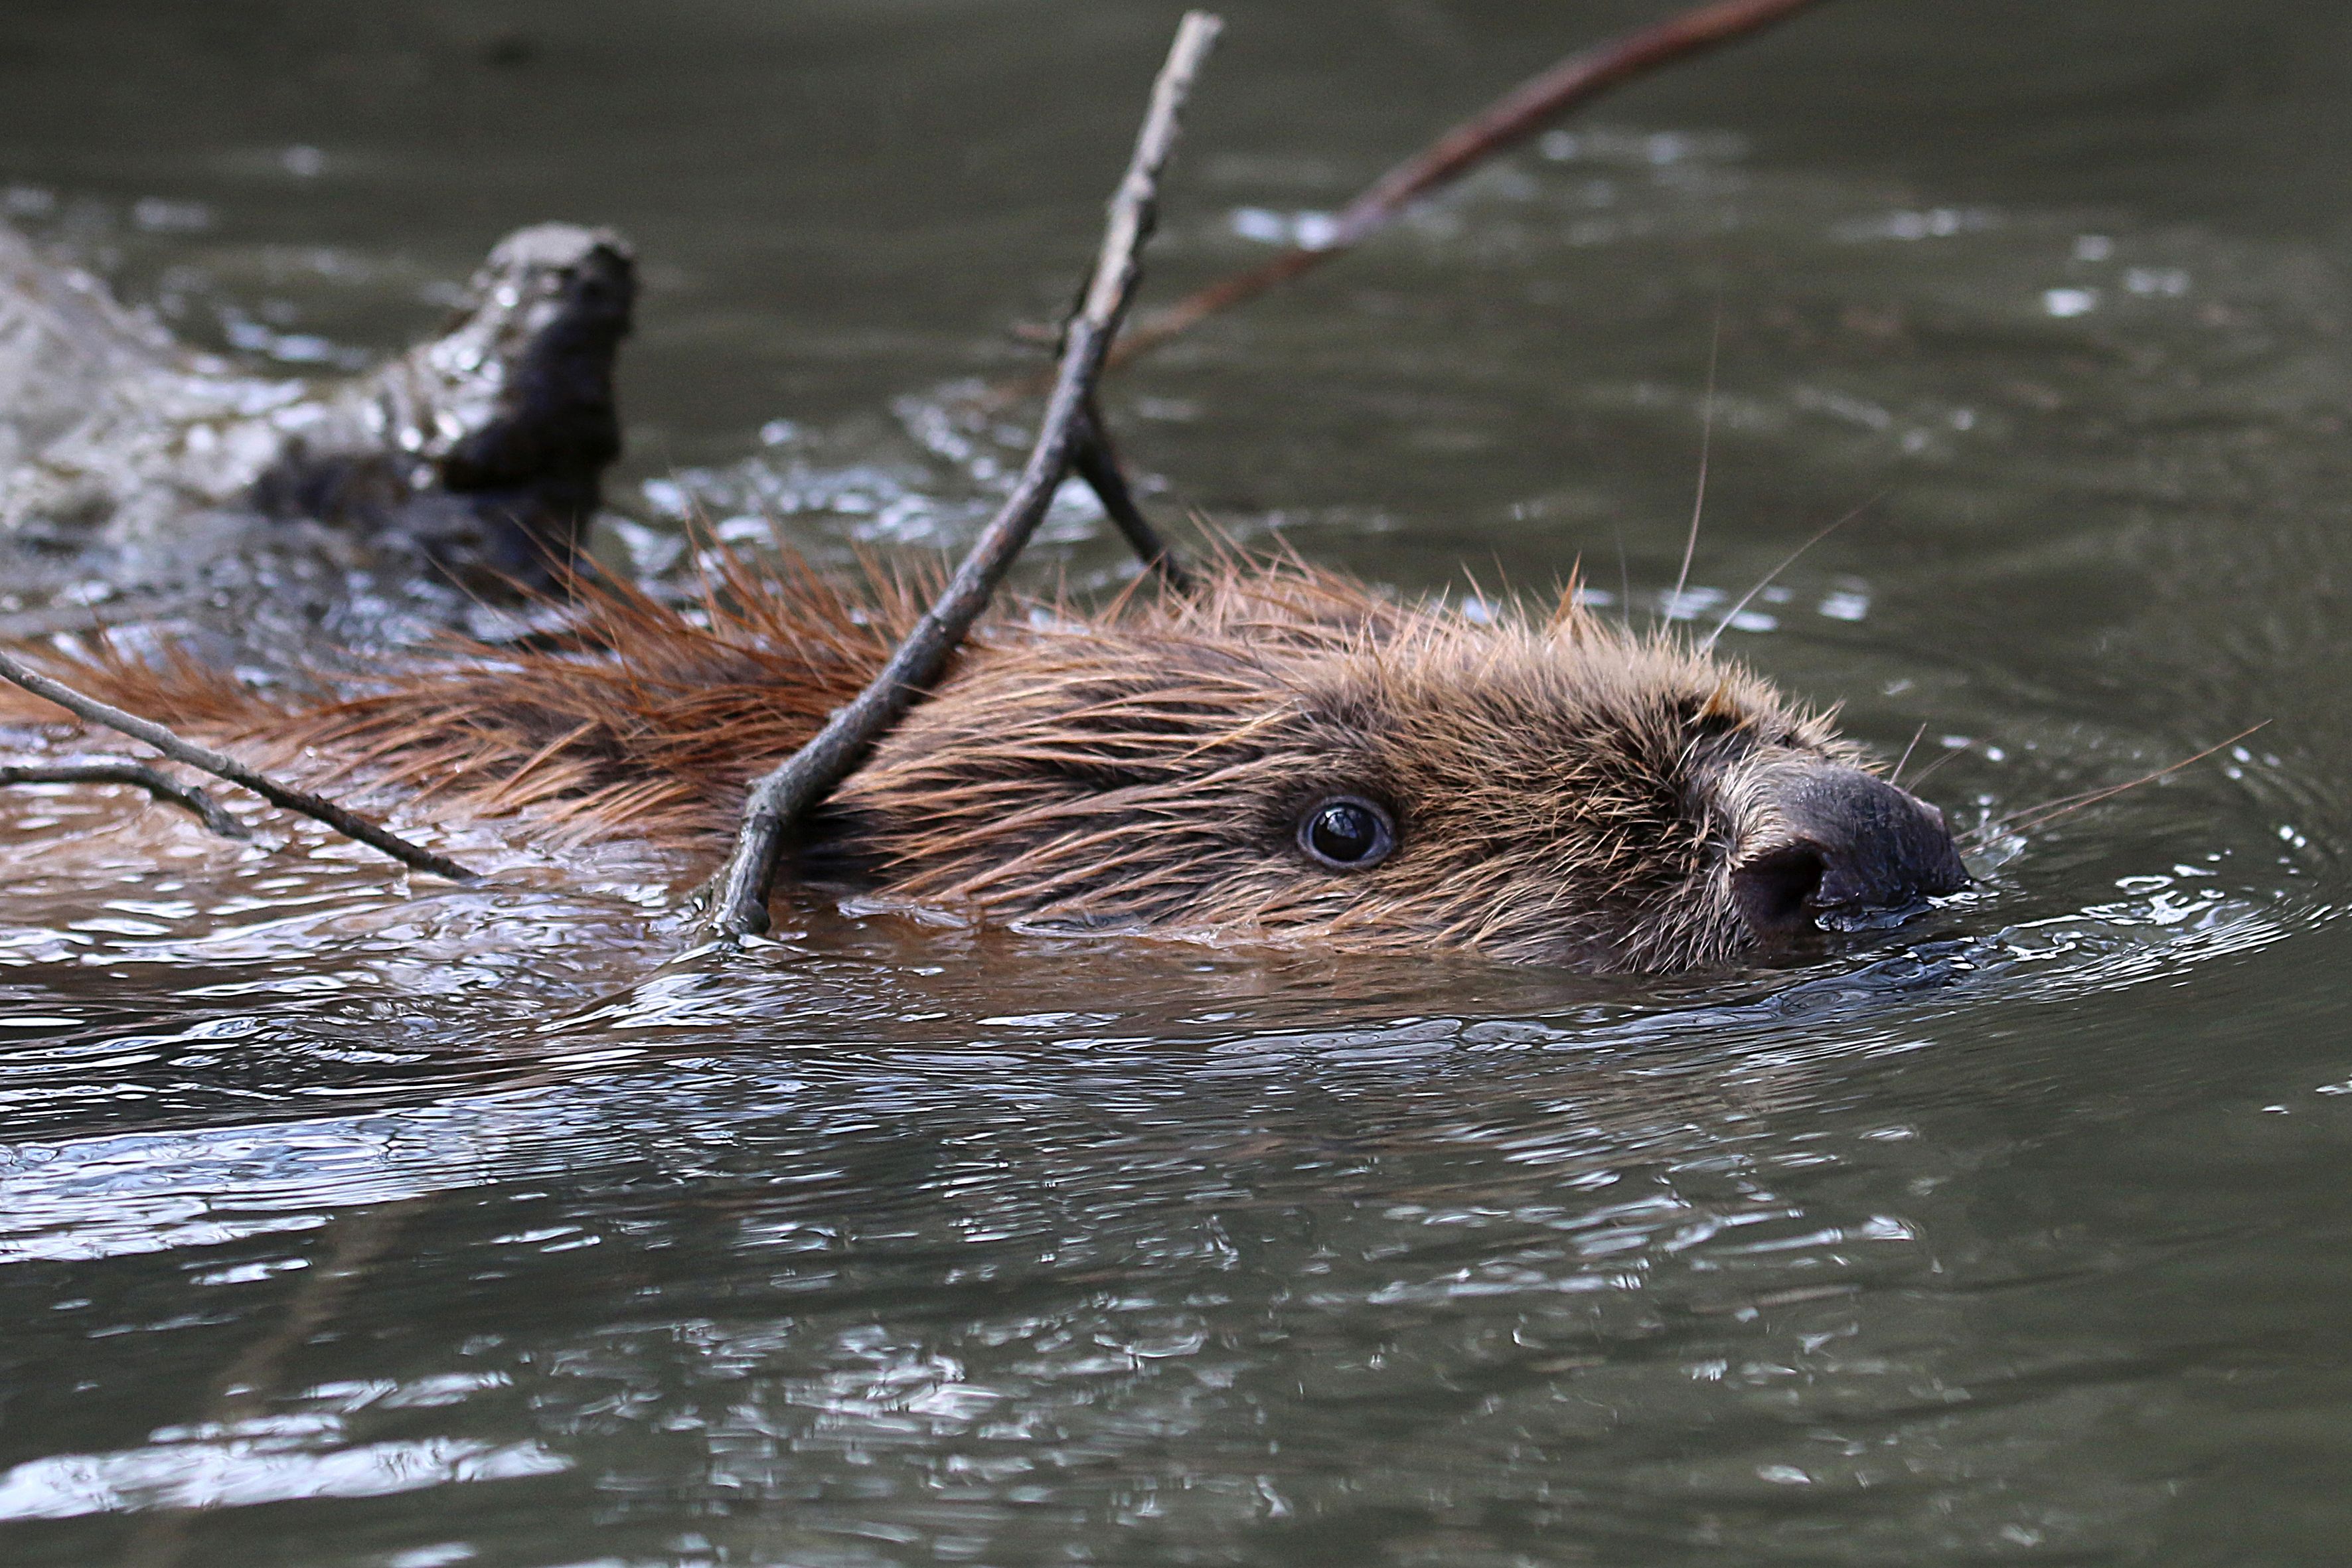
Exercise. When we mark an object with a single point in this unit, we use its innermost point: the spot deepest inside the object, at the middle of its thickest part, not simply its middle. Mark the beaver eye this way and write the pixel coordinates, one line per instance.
(1348, 832)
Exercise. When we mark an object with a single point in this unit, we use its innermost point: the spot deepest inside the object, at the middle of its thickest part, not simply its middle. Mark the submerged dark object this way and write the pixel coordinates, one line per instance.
(483, 448)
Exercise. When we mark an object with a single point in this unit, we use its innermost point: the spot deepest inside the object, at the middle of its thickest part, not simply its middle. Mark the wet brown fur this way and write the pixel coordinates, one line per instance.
(1563, 790)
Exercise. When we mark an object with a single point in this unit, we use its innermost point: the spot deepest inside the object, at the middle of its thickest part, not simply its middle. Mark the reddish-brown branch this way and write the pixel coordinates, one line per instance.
(1504, 124)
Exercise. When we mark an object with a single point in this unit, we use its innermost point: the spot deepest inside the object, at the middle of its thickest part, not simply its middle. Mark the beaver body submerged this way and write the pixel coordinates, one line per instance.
(1283, 754)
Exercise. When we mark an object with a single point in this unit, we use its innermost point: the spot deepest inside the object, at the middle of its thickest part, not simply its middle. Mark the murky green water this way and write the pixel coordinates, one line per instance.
(343, 1226)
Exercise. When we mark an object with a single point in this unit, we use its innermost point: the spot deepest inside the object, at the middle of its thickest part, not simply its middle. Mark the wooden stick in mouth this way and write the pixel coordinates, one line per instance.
(738, 895)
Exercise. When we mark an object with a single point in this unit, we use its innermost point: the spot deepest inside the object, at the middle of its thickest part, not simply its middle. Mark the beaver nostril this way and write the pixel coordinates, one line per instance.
(1843, 843)
(1775, 890)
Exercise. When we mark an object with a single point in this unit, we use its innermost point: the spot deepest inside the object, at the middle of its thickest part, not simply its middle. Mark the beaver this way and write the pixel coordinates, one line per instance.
(1280, 754)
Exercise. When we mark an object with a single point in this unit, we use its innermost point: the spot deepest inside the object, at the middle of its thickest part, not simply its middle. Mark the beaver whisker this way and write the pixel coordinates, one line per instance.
(1896, 776)
(2049, 811)
(1705, 441)
(1625, 579)
(1707, 643)
(1929, 771)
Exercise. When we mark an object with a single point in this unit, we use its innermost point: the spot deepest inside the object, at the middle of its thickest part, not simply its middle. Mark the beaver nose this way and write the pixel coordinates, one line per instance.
(1835, 841)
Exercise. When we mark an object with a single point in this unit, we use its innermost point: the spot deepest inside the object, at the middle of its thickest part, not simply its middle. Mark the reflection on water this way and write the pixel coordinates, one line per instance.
(344, 1221)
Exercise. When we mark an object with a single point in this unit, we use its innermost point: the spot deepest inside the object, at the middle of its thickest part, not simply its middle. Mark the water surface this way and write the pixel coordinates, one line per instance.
(343, 1222)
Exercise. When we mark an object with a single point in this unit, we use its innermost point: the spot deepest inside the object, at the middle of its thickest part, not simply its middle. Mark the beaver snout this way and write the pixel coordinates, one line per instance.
(1840, 843)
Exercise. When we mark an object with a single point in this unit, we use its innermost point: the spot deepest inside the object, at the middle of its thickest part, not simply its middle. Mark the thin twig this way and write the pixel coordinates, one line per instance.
(738, 895)
(139, 776)
(221, 766)
(1504, 124)
(1096, 462)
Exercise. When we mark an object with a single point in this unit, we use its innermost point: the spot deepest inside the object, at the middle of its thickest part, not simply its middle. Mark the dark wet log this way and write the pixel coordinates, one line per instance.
(738, 894)
(484, 446)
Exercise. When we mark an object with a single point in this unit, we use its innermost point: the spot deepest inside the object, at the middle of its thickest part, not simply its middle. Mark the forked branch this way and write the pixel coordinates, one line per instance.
(221, 766)
(738, 894)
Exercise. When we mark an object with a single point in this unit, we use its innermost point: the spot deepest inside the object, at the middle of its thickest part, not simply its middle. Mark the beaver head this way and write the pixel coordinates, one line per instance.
(1288, 755)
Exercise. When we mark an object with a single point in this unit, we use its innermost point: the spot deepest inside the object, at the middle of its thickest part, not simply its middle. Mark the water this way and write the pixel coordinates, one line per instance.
(344, 1223)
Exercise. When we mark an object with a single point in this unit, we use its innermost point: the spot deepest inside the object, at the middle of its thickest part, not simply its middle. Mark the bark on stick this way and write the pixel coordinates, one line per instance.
(1096, 462)
(738, 894)
(138, 775)
(221, 766)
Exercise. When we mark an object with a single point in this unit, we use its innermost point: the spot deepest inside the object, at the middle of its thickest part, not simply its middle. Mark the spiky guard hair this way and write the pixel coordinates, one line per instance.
(1560, 790)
